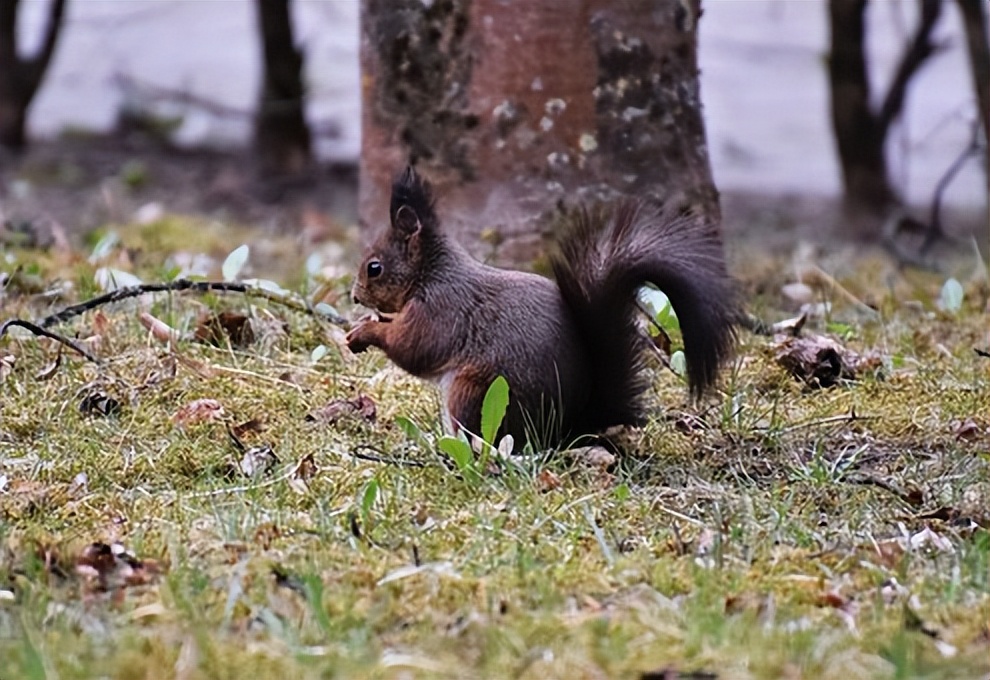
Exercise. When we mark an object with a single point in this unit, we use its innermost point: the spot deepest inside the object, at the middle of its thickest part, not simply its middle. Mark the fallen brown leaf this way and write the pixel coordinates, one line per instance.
(821, 361)
(547, 481)
(216, 329)
(159, 330)
(257, 461)
(360, 406)
(105, 568)
(968, 430)
(304, 471)
(255, 425)
(51, 369)
(198, 411)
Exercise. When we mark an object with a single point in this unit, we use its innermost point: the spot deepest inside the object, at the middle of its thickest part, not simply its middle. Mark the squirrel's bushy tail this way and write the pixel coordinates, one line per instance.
(608, 253)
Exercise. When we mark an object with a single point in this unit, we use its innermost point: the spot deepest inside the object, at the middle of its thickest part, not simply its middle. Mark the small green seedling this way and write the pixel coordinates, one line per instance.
(493, 410)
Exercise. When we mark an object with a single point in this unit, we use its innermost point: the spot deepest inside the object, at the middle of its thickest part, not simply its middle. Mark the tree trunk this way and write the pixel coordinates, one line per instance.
(512, 110)
(858, 137)
(281, 136)
(861, 132)
(20, 77)
(975, 24)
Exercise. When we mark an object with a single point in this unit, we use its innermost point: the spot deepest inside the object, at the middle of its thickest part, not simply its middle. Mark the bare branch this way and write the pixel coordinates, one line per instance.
(978, 46)
(184, 285)
(38, 64)
(918, 51)
(134, 291)
(935, 231)
(38, 330)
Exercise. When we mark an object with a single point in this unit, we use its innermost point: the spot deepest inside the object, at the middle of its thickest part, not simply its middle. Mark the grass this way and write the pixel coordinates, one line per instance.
(773, 534)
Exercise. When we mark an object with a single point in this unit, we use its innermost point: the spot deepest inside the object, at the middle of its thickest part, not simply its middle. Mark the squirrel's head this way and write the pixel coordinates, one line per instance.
(395, 262)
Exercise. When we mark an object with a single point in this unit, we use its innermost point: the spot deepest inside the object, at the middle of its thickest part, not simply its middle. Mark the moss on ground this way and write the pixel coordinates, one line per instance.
(774, 532)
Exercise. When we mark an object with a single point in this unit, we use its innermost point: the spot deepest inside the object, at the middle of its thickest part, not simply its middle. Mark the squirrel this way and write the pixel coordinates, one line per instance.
(569, 348)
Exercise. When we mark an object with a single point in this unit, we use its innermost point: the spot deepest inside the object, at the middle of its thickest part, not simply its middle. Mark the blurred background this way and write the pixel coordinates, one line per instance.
(187, 74)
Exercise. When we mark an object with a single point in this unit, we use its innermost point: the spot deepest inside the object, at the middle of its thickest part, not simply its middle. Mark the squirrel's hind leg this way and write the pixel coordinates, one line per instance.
(463, 394)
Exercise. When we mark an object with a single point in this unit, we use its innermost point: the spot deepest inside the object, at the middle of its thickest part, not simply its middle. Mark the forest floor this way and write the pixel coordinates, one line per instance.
(248, 499)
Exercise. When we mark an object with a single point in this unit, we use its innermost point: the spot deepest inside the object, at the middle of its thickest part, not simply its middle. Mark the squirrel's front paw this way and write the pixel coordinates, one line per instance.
(359, 338)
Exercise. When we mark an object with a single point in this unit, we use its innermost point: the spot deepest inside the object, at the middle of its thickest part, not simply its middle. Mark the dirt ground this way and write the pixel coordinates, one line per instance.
(74, 186)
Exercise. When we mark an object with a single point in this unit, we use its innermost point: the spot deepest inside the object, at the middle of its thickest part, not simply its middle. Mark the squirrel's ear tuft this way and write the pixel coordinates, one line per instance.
(412, 203)
(406, 222)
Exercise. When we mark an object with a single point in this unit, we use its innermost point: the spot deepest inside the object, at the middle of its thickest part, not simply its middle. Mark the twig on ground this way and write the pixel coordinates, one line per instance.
(755, 324)
(845, 418)
(913, 499)
(182, 285)
(39, 330)
(380, 457)
(179, 285)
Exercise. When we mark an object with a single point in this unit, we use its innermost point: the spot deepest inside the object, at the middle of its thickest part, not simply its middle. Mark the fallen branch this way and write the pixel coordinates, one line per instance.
(181, 285)
(916, 52)
(379, 457)
(844, 418)
(39, 330)
(178, 285)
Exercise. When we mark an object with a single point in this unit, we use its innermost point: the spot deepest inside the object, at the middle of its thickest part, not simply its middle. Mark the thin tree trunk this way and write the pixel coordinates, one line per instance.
(860, 132)
(281, 135)
(975, 24)
(515, 109)
(20, 77)
(858, 136)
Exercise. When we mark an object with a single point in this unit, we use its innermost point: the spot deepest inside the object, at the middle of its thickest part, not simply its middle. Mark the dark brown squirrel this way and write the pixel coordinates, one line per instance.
(571, 351)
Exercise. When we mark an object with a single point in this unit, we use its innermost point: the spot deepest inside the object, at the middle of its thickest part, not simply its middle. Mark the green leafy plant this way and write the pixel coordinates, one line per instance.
(459, 449)
(368, 498)
(413, 432)
(658, 304)
(493, 409)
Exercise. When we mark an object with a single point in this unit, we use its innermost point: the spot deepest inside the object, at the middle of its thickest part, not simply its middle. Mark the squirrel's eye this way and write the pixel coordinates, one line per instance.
(374, 269)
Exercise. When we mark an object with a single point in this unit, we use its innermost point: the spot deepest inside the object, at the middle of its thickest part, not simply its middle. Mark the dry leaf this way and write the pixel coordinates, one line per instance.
(101, 322)
(821, 361)
(304, 471)
(216, 329)
(6, 366)
(198, 411)
(968, 430)
(547, 481)
(257, 461)
(361, 406)
(266, 533)
(255, 425)
(592, 456)
(106, 568)
(98, 403)
(49, 371)
(158, 329)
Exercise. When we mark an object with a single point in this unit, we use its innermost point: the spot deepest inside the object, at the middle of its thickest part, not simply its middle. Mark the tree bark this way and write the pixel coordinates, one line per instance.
(513, 110)
(281, 135)
(20, 77)
(978, 47)
(858, 138)
(860, 132)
